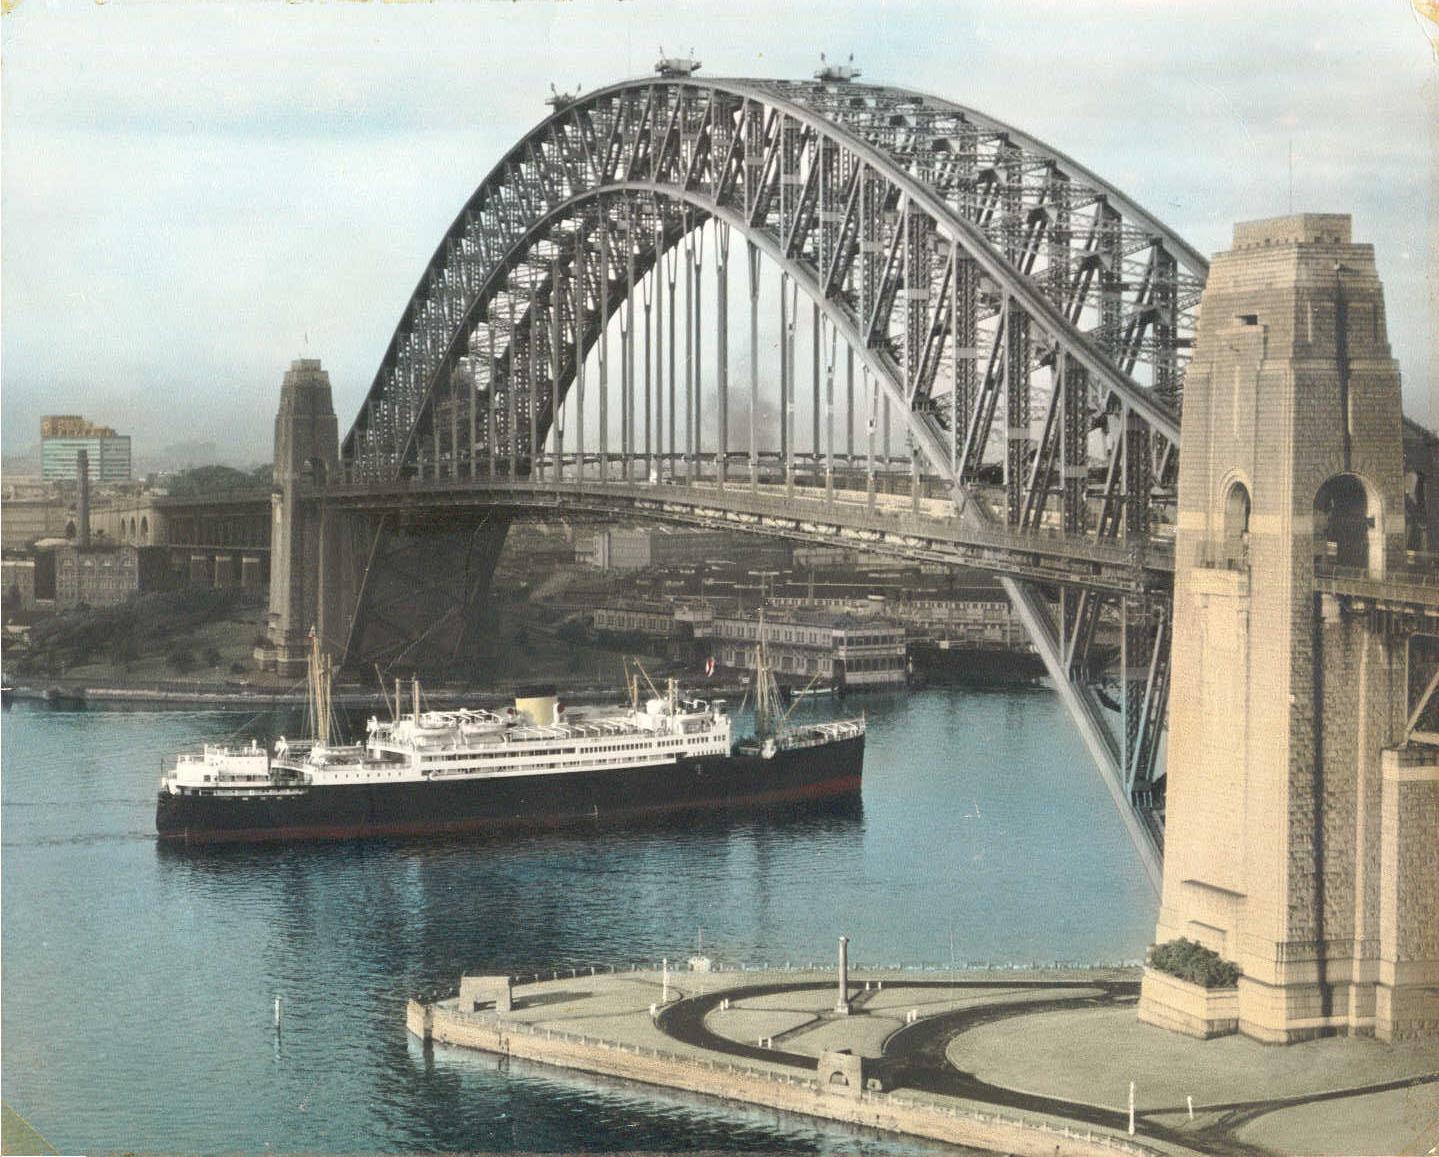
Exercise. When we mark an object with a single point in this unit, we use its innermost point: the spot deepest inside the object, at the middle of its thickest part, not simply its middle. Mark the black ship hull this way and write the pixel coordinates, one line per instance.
(441, 806)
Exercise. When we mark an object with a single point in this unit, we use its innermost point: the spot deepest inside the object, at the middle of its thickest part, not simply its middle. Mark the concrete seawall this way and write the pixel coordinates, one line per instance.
(720, 1078)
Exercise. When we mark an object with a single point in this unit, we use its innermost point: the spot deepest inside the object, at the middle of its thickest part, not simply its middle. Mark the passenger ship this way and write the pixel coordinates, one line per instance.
(534, 764)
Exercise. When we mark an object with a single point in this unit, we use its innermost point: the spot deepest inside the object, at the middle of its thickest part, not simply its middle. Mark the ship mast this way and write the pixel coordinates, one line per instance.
(317, 704)
(766, 692)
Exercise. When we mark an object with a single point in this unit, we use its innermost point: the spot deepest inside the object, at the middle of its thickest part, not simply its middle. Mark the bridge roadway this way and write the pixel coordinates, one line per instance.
(931, 528)
(928, 528)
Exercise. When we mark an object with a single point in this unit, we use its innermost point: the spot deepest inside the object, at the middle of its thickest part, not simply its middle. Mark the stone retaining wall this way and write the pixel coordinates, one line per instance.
(799, 1094)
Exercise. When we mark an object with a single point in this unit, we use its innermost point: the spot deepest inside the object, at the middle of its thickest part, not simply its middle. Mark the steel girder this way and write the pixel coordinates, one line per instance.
(1025, 318)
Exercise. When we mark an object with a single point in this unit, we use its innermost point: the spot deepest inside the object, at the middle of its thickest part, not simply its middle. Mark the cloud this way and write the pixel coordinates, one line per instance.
(191, 189)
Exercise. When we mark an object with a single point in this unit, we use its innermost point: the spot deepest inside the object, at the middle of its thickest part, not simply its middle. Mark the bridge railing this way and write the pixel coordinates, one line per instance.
(721, 1066)
(1417, 586)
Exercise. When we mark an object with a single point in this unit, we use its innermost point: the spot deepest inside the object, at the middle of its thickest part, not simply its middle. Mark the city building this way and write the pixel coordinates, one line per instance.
(653, 620)
(671, 625)
(17, 584)
(104, 574)
(30, 513)
(62, 436)
(990, 621)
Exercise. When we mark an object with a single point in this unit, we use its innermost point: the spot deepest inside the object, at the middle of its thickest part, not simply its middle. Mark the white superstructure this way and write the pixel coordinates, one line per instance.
(221, 766)
(537, 737)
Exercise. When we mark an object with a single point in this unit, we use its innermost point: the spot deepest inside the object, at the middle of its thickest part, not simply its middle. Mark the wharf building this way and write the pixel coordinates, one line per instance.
(64, 436)
(987, 620)
(960, 625)
(656, 619)
(848, 651)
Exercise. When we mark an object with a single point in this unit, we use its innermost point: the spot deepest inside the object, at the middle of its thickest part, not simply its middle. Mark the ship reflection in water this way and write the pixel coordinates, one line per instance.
(698, 833)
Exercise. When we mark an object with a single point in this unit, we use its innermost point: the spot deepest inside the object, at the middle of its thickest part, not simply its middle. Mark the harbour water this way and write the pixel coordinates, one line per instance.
(139, 982)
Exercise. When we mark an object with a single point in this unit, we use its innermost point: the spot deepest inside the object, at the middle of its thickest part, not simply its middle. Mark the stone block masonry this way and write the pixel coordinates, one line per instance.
(1011, 1061)
(991, 1132)
(307, 455)
(1407, 997)
(1292, 841)
(1171, 1003)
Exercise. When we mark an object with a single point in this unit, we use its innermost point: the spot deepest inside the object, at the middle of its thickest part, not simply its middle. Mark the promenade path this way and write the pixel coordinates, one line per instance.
(1046, 1055)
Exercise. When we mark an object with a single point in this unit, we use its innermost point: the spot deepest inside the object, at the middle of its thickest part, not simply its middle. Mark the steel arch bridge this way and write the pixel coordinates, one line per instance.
(1019, 328)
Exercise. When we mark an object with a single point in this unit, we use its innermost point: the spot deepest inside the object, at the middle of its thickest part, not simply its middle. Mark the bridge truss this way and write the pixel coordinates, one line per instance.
(1017, 326)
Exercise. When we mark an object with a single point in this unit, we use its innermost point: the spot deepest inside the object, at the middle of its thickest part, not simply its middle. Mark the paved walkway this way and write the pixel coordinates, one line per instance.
(1237, 1085)
(1058, 1046)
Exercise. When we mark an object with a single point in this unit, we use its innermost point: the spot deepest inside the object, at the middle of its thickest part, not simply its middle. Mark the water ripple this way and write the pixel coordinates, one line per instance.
(971, 807)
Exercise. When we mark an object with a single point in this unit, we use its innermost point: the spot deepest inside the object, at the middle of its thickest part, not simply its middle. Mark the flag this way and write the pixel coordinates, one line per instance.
(710, 667)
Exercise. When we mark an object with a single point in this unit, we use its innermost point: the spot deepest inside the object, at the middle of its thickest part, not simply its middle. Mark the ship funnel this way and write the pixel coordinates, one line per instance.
(538, 704)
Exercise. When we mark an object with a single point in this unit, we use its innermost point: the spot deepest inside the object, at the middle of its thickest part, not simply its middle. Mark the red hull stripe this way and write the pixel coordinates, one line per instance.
(844, 785)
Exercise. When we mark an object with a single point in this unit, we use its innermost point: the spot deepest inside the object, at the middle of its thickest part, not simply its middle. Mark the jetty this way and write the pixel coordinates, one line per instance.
(1020, 1061)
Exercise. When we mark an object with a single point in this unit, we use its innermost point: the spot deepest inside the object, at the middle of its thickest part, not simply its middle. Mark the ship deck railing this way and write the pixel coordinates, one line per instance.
(808, 735)
(582, 730)
(454, 717)
(196, 753)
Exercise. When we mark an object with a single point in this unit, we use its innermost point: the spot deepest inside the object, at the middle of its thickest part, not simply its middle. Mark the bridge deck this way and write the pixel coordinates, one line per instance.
(935, 529)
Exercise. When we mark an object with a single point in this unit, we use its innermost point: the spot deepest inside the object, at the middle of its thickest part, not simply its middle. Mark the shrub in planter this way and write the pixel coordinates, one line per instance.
(1194, 963)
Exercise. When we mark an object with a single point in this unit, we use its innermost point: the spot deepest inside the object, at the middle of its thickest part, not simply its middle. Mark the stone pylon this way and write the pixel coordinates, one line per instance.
(307, 455)
(1297, 822)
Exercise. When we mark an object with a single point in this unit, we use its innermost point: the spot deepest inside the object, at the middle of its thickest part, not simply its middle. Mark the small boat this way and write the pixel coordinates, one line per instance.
(815, 690)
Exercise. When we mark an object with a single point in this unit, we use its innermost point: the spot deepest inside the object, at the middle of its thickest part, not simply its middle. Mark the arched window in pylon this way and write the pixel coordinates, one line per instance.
(1416, 509)
(1236, 524)
(1346, 525)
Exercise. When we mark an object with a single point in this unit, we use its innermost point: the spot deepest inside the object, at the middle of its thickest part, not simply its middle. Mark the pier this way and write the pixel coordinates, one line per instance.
(1031, 1061)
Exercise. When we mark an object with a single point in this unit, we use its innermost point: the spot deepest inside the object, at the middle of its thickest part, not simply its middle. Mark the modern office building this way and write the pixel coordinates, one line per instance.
(62, 436)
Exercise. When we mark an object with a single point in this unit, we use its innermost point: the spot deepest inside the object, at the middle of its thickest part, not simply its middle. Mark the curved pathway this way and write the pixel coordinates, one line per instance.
(914, 1057)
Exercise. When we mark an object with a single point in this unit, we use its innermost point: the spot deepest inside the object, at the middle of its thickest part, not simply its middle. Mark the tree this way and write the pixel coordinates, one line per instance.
(202, 480)
(124, 650)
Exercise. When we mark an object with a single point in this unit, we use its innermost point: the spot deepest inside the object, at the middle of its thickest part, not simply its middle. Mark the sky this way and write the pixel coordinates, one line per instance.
(194, 193)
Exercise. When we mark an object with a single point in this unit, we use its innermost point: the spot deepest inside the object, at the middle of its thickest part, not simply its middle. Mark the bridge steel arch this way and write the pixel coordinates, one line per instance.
(1027, 322)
